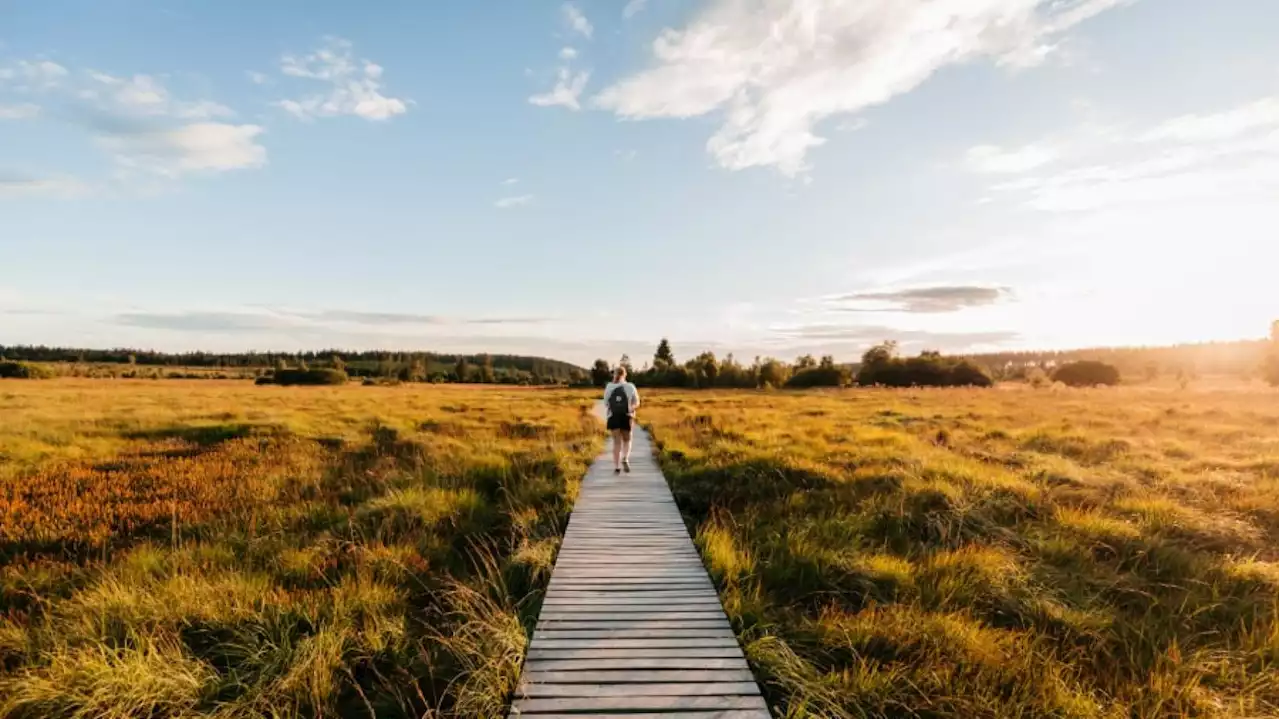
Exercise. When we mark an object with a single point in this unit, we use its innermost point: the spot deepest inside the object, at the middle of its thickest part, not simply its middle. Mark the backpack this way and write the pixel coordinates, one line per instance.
(619, 402)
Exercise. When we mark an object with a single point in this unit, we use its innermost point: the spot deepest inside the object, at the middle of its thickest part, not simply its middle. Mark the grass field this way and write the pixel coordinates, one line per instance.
(215, 549)
(990, 553)
(212, 548)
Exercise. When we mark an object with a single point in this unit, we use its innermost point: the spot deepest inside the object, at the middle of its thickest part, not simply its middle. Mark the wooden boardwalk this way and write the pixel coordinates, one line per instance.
(631, 625)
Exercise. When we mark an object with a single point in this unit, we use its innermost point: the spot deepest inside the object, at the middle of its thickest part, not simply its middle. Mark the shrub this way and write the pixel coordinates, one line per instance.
(930, 369)
(316, 376)
(966, 373)
(24, 370)
(819, 377)
(1271, 372)
(1087, 373)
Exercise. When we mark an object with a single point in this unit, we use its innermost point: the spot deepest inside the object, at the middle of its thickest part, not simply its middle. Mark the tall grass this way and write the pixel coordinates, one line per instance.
(219, 550)
(1001, 553)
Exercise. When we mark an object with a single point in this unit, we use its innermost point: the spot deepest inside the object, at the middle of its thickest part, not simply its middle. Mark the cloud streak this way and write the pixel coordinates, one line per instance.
(19, 183)
(506, 203)
(271, 319)
(777, 68)
(924, 300)
(1191, 158)
(867, 334)
(990, 159)
(194, 321)
(19, 111)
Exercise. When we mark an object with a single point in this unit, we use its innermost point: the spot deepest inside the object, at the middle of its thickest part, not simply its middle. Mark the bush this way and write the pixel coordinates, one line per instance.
(1271, 370)
(819, 377)
(317, 376)
(1087, 373)
(966, 373)
(930, 369)
(24, 370)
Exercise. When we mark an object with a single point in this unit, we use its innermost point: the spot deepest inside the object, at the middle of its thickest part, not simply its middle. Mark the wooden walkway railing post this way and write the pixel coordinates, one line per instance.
(631, 625)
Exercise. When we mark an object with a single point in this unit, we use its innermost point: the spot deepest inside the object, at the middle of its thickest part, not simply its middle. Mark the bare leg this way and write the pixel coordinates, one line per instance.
(626, 446)
(617, 449)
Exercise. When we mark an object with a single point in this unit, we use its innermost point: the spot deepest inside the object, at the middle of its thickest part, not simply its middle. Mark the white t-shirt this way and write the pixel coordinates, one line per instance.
(630, 389)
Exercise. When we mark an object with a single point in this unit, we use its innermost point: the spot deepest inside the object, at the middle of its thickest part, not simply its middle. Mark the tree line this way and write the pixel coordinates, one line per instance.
(880, 366)
(1185, 361)
(371, 364)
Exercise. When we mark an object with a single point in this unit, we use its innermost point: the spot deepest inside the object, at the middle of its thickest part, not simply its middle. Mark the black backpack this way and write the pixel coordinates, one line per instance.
(619, 402)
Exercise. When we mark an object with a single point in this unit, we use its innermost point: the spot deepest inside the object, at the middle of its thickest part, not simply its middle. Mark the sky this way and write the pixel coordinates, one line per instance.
(579, 179)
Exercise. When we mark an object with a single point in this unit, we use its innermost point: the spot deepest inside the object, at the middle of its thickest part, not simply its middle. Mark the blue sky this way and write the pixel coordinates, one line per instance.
(579, 179)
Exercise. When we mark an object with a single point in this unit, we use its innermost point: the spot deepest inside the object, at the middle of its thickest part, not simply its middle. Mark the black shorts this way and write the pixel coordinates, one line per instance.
(619, 422)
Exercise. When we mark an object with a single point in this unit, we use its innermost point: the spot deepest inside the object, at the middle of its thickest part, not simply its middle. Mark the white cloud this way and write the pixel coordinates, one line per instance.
(257, 78)
(625, 155)
(778, 67)
(355, 87)
(139, 123)
(510, 181)
(633, 7)
(507, 203)
(194, 147)
(568, 53)
(568, 89)
(1189, 159)
(34, 74)
(20, 111)
(992, 159)
(144, 95)
(1238, 121)
(147, 130)
(576, 20)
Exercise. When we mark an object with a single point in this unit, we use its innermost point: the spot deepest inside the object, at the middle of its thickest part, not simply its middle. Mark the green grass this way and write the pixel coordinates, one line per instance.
(999, 553)
(215, 549)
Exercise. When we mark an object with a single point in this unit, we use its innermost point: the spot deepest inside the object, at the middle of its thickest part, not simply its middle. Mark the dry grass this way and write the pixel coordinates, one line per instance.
(999, 553)
(214, 549)
(217, 549)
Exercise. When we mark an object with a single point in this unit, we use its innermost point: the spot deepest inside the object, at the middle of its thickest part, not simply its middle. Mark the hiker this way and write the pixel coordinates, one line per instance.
(621, 401)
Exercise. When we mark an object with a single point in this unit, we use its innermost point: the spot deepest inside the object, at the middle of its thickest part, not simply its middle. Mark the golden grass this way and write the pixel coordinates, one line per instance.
(1009, 552)
(216, 549)
(219, 549)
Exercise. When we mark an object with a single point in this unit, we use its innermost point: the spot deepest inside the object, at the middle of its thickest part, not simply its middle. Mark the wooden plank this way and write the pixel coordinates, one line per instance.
(636, 676)
(635, 663)
(536, 652)
(578, 704)
(722, 622)
(636, 691)
(668, 601)
(721, 714)
(622, 582)
(629, 633)
(565, 596)
(623, 615)
(637, 643)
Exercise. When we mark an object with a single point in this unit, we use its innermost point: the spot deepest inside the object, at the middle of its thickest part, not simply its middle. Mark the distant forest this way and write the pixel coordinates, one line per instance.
(1240, 358)
(1243, 359)
(406, 366)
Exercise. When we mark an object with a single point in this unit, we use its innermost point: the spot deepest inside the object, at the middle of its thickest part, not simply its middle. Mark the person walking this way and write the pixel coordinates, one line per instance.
(621, 400)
